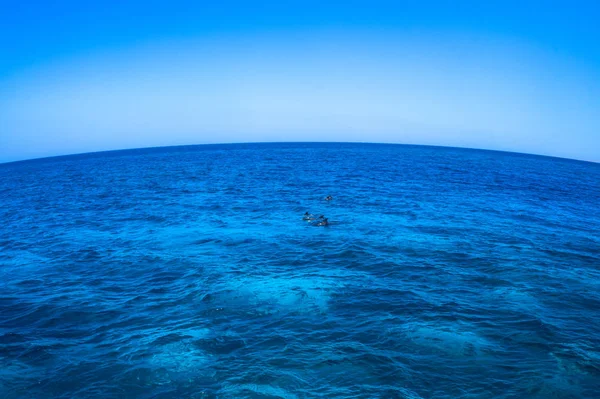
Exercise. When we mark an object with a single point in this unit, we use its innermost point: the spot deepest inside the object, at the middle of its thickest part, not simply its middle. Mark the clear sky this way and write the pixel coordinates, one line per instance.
(510, 75)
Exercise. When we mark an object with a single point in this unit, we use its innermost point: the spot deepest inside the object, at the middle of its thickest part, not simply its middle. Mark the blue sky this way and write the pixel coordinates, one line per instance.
(510, 75)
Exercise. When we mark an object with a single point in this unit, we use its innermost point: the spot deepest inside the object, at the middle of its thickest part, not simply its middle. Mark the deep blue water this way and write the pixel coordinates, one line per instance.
(188, 272)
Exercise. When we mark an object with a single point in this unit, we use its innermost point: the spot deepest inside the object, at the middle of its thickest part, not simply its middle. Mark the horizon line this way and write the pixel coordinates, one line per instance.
(77, 154)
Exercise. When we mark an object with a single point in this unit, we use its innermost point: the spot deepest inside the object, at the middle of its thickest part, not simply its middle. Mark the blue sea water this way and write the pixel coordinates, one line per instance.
(188, 272)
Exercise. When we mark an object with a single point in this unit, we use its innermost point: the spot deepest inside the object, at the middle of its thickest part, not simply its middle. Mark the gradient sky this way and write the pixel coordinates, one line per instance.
(510, 75)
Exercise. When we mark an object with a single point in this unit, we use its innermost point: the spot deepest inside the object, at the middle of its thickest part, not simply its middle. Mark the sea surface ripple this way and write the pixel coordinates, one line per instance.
(188, 272)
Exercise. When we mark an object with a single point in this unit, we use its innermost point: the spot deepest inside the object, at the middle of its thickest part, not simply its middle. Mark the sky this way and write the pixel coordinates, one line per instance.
(509, 75)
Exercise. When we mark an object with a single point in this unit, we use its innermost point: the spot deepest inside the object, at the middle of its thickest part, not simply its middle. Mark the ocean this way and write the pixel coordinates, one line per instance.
(189, 272)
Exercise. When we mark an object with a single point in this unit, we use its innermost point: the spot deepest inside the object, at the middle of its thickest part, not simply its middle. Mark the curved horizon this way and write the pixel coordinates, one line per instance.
(166, 147)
